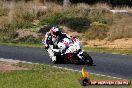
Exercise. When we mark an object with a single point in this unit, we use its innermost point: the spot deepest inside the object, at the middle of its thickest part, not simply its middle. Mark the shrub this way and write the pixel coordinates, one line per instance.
(7, 32)
(4, 11)
(99, 15)
(121, 28)
(23, 24)
(28, 16)
(23, 18)
(97, 31)
(47, 20)
(78, 24)
(76, 15)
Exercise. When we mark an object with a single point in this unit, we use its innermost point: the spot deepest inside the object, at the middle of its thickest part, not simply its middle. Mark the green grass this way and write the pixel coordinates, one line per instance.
(22, 44)
(44, 76)
(109, 50)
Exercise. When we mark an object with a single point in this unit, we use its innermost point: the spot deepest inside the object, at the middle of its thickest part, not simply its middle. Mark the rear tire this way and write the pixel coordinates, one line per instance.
(87, 58)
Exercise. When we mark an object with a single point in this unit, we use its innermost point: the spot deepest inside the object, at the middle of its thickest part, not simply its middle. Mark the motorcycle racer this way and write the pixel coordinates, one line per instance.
(52, 38)
(56, 41)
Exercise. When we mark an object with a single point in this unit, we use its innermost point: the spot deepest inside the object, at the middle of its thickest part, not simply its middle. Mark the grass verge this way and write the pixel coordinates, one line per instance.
(22, 44)
(44, 76)
(109, 50)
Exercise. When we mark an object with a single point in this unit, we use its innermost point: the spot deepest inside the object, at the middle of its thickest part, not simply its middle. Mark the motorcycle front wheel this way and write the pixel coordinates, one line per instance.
(87, 58)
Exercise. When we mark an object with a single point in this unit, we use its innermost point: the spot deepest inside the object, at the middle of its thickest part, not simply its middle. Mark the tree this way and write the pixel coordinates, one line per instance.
(66, 3)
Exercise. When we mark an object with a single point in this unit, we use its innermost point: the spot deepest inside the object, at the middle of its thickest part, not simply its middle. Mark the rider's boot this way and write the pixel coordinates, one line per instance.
(53, 58)
(51, 54)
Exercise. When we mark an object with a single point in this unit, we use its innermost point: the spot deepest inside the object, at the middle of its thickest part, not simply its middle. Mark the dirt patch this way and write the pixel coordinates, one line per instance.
(10, 66)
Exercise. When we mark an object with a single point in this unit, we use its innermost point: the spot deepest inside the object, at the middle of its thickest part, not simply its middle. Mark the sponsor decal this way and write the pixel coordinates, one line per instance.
(85, 80)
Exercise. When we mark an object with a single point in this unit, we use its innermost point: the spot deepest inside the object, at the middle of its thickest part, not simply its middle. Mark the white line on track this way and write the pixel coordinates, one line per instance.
(17, 61)
(109, 53)
(90, 72)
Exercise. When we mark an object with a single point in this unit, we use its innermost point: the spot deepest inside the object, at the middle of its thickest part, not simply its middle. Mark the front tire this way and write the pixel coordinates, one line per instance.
(87, 58)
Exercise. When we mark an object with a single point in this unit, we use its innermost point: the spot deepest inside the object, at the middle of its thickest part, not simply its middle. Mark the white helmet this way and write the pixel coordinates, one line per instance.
(54, 31)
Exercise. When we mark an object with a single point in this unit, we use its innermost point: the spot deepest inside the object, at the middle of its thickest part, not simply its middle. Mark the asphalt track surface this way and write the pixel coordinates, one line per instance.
(108, 64)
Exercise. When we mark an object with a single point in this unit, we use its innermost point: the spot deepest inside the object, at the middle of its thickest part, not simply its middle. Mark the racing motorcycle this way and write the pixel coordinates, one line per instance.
(70, 54)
